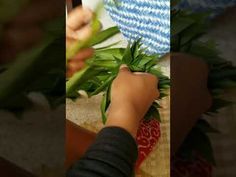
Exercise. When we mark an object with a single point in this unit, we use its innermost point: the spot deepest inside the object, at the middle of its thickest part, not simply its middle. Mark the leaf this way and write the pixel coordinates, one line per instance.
(223, 74)
(179, 24)
(156, 105)
(198, 141)
(135, 48)
(127, 57)
(152, 113)
(134, 68)
(162, 95)
(226, 83)
(164, 82)
(103, 86)
(193, 32)
(205, 127)
(218, 104)
(156, 72)
(156, 115)
(118, 61)
(203, 50)
(164, 86)
(217, 92)
(104, 63)
(203, 146)
(109, 54)
(150, 65)
(21, 72)
(104, 35)
(145, 59)
(79, 78)
(104, 105)
(108, 46)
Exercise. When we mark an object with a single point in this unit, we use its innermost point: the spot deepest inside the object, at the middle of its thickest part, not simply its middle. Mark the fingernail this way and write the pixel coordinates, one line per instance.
(123, 66)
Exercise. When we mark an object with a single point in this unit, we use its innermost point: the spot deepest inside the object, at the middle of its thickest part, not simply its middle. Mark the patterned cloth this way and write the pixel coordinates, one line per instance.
(150, 19)
(145, 19)
(147, 137)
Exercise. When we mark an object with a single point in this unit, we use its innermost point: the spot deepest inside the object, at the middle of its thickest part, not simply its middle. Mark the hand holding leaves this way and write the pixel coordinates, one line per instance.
(78, 29)
(132, 94)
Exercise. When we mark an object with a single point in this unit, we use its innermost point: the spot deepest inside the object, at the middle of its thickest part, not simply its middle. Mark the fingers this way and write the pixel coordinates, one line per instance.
(150, 77)
(151, 81)
(79, 17)
(73, 67)
(83, 55)
(84, 33)
(77, 63)
(70, 33)
(81, 34)
(124, 69)
(77, 25)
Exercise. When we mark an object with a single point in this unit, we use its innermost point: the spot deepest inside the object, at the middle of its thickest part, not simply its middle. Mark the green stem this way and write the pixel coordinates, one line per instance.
(79, 78)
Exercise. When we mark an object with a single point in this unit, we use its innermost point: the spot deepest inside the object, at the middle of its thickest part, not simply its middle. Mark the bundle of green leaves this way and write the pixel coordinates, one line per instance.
(39, 69)
(103, 67)
(187, 29)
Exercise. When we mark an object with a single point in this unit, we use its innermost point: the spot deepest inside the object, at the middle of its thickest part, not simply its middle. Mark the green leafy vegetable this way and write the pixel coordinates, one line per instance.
(104, 35)
(187, 28)
(34, 70)
(103, 67)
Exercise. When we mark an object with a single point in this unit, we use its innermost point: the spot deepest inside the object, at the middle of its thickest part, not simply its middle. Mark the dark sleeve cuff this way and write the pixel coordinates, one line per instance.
(113, 153)
(119, 139)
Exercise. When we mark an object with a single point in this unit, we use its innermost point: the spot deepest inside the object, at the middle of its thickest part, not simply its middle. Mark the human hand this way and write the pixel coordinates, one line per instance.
(78, 62)
(78, 29)
(78, 25)
(131, 96)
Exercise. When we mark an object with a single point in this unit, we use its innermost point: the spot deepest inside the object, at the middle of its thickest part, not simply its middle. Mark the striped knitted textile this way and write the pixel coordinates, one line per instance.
(150, 19)
(145, 19)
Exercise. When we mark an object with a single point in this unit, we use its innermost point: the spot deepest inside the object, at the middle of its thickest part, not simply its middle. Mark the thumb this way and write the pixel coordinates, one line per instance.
(124, 68)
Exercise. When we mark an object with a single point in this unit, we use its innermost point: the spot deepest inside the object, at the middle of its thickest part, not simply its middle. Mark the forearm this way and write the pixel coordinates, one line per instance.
(113, 153)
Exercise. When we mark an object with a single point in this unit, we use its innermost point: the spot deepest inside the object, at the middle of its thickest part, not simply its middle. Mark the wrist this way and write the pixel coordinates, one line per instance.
(124, 116)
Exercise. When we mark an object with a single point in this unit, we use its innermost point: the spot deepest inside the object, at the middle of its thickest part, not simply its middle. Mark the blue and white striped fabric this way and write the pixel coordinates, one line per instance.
(145, 19)
(150, 19)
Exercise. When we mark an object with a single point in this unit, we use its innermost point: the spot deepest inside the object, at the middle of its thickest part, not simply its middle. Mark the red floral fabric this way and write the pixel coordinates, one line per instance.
(148, 135)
